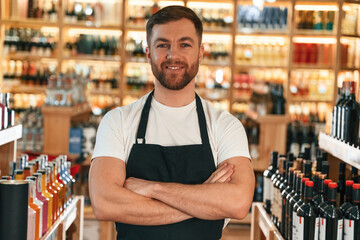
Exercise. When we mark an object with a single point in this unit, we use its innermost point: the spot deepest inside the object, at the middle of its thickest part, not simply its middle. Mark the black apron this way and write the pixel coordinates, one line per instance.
(186, 164)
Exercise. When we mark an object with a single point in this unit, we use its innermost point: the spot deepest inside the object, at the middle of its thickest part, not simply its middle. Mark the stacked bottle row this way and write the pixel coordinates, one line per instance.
(345, 115)
(316, 20)
(28, 72)
(100, 13)
(27, 41)
(264, 18)
(313, 53)
(40, 9)
(92, 45)
(50, 190)
(66, 89)
(7, 115)
(305, 204)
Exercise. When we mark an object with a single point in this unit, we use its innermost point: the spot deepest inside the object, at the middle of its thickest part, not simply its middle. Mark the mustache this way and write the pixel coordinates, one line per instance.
(169, 62)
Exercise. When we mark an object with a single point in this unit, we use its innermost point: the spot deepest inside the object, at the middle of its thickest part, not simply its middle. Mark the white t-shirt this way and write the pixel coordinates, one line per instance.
(170, 126)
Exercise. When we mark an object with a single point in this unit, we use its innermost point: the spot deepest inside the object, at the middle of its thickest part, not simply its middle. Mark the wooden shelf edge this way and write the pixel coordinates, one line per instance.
(339, 149)
(270, 118)
(66, 218)
(10, 134)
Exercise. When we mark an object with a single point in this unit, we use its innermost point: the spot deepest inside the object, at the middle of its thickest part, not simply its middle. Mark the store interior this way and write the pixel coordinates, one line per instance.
(278, 66)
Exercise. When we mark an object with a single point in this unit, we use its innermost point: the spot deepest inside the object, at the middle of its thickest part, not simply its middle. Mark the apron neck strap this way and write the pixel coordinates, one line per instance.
(140, 137)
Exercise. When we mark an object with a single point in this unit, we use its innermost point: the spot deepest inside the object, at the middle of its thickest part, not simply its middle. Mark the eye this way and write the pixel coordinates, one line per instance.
(185, 45)
(162, 45)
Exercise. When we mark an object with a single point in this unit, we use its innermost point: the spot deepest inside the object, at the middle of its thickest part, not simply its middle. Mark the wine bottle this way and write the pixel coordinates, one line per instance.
(277, 192)
(267, 181)
(355, 175)
(350, 115)
(285, 193)
(331, 217)
(306, 215)
(341, 184)
(352, 218)
(297, 205)
(293, 200)
(335, 113)
(292, 193)
(348, 197)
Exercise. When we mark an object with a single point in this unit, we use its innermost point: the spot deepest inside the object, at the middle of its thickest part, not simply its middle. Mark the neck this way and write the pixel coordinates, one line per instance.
(175, 98)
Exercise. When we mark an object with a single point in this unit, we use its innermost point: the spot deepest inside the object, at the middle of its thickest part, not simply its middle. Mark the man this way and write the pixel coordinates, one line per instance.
(170, 166)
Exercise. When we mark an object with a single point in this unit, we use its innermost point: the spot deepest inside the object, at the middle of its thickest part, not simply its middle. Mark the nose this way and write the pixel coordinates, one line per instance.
(173, 53)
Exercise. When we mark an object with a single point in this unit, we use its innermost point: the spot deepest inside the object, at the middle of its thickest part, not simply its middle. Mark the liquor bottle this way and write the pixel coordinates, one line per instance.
(350, 115)
(292, 202)
(354, 175)
(335, 113)
(292, 193)
(39, 203)
(36, 208)
(27, 172)
(352, 218)
(48, 195)
(276, 205)
(268, 173)
(31, 224)
(62, 181)
(297, 205)
(283, 187)
(331, 217)
(53, 191)
(340, 112)
(341, 184)
(348, 197)
(4, 111)
(285, 193)
(72, 179)
(44, 200)
(19, 174)
(306, 215)
(58, 186)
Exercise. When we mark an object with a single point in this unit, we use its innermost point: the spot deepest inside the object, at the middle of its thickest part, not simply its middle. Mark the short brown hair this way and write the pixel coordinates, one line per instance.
(173, 13)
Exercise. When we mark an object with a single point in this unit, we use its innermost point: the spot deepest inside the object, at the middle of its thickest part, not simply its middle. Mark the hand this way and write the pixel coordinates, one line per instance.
(222, 174)
(139, 186)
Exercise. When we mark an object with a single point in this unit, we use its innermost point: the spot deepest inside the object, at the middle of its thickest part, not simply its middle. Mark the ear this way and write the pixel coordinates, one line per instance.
(148, 55)
(201, 53)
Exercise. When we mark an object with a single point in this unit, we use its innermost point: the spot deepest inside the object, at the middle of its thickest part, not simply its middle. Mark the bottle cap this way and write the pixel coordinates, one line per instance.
(333, 185)
(349, 182)
(327, 181)
(356, 186)
(309, 183)
(290, 157)
(304, 180)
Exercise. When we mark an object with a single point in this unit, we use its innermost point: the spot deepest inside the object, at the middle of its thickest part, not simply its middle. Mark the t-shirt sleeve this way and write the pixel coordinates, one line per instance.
(232, 139)
(109, 137)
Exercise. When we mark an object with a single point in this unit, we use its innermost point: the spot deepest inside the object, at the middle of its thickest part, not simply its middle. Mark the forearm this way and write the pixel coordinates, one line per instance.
(131, 208)
(205, 201)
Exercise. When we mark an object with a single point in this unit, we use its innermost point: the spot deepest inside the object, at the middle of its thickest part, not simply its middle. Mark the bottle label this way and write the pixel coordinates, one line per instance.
(300, 228)
(39, 184)
(342, 125)
(340, 229)
(317, 228)
(322, 233)
(33, 189)
(349, 228)
(267, 187)
(295, 226)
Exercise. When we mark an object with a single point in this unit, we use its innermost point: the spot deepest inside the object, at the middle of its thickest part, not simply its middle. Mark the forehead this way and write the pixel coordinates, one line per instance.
(174, 30)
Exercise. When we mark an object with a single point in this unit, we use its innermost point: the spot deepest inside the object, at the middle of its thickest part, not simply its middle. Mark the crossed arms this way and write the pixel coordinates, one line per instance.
(227, 193)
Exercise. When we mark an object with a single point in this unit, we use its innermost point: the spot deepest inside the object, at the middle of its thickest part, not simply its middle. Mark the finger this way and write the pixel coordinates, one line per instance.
(225, 177)
(221, 172)
(220, 166)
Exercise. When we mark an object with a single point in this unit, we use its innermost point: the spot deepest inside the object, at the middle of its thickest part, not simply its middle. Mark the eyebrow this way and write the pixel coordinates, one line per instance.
(181, 40)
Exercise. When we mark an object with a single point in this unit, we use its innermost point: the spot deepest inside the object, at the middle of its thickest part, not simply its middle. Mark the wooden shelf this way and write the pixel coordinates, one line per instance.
(74, 214)
(10, 134)
(291, 99)
(314, 33)
(261, 225)
(242, 66)
(29, 56)
(350, 35)
(91, 25)
(29, 22)
(270, 33)
(312, 67)
(27, 89)
(339, 149)
(94, 58)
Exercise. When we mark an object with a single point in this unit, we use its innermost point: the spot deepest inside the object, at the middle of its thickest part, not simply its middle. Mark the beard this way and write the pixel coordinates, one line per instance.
(175, 81)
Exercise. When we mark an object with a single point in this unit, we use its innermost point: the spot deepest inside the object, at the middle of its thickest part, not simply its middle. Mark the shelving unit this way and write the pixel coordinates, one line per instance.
(8, 138)
(70, 223)
(57, 122)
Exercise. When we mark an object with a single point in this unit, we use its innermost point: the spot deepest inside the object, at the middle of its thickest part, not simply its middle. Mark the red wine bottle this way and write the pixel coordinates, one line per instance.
(306, 215)
(292, 202)
(283, 186)
(331, 217)
(352, 218)
(348, 197)
(268, 173)
(292, 193)
(285, 193)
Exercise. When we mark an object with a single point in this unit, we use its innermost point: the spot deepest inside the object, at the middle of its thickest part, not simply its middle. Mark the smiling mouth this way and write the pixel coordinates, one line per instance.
(173, 68)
